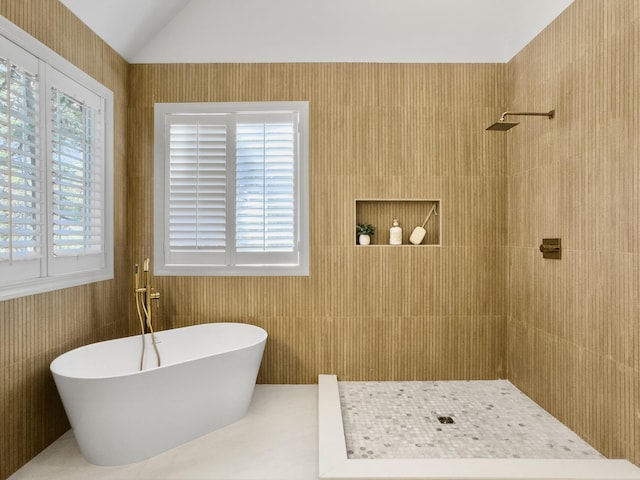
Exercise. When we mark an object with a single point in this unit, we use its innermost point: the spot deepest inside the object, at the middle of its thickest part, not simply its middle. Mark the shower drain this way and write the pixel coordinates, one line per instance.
(445, 420)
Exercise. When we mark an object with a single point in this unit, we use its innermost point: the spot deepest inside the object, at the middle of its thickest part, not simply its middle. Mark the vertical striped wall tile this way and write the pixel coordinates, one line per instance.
(573, 335)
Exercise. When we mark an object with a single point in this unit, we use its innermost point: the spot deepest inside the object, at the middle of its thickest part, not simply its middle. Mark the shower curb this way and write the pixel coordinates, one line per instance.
(333, 463)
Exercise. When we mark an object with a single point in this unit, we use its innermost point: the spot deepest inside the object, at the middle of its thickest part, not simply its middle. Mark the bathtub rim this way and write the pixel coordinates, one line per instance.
(334, 464)
(56, 372)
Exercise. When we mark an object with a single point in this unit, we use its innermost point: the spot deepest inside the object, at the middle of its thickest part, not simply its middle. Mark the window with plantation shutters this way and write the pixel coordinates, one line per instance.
(231, 189)
(55, 170)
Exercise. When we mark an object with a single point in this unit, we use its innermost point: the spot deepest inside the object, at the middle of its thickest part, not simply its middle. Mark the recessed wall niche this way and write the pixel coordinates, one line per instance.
(410, 214)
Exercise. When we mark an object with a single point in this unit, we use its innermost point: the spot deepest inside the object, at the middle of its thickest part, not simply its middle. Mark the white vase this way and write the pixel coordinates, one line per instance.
(364, 239)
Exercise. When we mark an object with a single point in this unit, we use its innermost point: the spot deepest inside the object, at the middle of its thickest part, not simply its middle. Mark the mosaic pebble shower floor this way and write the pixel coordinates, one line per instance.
(452, 419)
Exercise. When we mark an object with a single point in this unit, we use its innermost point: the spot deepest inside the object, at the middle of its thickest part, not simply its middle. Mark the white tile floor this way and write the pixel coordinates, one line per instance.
(276, 440)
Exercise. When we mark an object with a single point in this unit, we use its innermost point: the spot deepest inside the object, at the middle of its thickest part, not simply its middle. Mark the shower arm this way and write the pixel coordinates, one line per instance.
(549, 114)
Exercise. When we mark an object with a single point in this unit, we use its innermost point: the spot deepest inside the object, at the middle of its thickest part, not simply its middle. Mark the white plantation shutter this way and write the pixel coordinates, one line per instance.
(265, 190)
(232, 184)
(21, 186)
(197, 188)
(77, 180)
(77, 176)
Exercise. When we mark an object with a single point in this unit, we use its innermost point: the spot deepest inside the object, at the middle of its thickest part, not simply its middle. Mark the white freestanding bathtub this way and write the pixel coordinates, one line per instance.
(122, 415)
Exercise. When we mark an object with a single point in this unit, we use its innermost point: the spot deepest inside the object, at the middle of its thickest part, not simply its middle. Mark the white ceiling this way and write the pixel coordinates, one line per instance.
(423, 31)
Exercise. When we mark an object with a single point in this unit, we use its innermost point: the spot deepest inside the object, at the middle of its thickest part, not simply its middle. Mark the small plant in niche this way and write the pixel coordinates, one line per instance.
(365, 229)
(364, 232)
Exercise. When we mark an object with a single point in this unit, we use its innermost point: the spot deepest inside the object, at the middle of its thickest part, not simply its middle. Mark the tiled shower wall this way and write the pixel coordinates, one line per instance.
(36, 329)
(574, 324)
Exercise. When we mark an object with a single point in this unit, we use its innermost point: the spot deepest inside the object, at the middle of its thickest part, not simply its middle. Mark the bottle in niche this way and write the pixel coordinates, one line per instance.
(395, 233)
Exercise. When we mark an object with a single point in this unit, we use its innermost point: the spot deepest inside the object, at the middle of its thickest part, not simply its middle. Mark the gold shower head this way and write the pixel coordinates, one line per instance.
(502, 125)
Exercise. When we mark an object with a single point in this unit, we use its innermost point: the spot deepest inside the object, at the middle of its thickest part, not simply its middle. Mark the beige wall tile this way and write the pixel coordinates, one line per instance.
(573, 330)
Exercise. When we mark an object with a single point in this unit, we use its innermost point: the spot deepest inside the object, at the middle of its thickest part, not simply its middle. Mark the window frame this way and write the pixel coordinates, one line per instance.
(162, 263)
(50, 277)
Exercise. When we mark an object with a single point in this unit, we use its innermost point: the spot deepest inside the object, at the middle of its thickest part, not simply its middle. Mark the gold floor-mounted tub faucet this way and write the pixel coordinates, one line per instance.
(144, 295)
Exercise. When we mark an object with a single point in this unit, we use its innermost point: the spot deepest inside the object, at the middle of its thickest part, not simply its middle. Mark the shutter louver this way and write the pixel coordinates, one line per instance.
(77, 177)
(20, 165)
(197, 187)
(265, 200)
